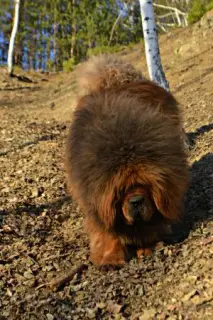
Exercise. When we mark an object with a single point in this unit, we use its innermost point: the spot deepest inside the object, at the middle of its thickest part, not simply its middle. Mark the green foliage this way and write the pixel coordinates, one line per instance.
(196, 12)
(209, 6)
(17, 69)
(50, 65)
(69, 64)
(58, 34)
(198, 9)
(109, 49)
(105, 49)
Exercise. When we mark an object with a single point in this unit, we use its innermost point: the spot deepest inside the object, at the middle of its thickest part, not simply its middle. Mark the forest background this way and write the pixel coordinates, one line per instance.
(55, 35)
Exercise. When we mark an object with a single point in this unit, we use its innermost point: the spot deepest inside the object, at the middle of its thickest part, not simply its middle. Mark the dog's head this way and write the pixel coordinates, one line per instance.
(137, 205)
(140, 194)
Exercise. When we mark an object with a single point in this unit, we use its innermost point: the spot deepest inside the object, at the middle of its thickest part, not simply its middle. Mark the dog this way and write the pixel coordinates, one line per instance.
(126, 163)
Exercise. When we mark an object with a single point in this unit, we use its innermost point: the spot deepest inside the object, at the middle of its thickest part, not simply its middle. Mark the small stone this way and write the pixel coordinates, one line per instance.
(28, 274)
(49, 316)
(5, 190)
(91, 313)
(171, 307)
(9, 293)
(29, 283)
(114, 307)
(101, 305)
(191, 279)
(189, 295)
(148, 314)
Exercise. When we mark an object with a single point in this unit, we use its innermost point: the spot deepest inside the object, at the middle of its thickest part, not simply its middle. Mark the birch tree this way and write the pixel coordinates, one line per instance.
(13, 36)
(153, 58)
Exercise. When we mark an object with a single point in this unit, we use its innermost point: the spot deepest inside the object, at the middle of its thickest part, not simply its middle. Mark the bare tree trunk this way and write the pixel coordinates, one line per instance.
(55, 30)
(153, 59)
(113, 28)
(54, 45)
(73, 40)
(12, 38)
(74, 30)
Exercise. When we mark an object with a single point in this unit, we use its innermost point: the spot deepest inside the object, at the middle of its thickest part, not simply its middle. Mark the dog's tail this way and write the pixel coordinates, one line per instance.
(105, 71)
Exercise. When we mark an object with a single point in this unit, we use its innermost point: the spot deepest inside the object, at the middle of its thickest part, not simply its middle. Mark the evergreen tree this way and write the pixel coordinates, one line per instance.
(57, 33)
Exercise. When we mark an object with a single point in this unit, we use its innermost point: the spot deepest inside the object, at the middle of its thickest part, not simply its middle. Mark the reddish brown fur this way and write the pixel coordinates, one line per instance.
(125, 139)
(105, 247)
(145, 90)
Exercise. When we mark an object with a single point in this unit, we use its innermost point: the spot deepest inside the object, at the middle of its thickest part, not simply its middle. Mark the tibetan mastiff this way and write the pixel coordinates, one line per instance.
(126, 161)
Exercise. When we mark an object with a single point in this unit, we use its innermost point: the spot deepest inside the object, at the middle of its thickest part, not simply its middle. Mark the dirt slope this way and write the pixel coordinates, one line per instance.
(41, 229)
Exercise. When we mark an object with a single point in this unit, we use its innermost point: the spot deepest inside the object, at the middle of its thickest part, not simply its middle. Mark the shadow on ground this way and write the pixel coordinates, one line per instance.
(199, 199)
(193, 136)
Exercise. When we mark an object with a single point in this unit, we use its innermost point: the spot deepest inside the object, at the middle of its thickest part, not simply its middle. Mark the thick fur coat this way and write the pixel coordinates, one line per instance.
(125, 144)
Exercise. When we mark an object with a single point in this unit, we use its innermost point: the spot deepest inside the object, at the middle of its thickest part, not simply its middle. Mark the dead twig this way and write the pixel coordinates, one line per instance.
(22, 78)
(59, 282)
(39, 287)
(54, 257)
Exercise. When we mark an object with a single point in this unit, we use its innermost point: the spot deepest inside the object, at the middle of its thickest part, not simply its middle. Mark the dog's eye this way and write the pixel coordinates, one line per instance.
(136, 200)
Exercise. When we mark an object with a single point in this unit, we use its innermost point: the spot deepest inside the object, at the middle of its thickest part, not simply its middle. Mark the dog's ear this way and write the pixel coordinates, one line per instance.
(106, 209)
(168, 198)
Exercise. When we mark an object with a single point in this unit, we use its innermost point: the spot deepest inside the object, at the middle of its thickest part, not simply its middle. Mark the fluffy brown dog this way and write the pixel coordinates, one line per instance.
(126, 163)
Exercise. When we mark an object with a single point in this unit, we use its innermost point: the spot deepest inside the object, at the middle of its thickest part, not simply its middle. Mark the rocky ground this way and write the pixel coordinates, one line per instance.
(41, 229)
